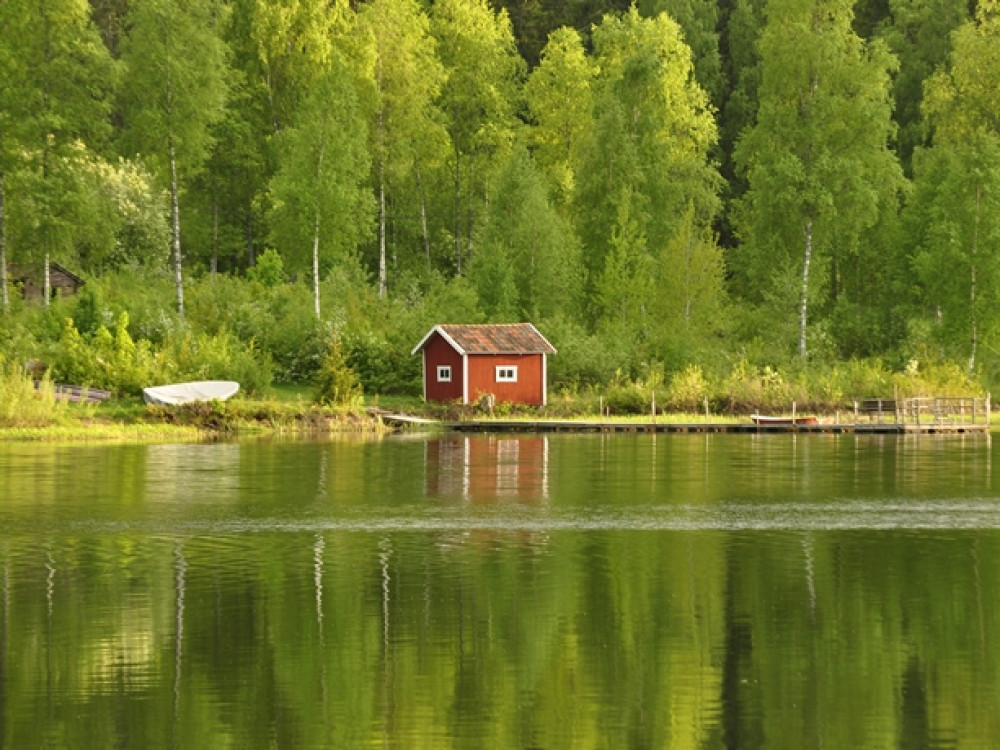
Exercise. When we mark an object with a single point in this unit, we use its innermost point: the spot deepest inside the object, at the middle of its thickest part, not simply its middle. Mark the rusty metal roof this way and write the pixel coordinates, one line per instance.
(503, 338)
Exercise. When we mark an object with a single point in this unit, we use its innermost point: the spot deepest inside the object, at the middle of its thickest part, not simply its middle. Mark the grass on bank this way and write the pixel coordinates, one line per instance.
(28, 412)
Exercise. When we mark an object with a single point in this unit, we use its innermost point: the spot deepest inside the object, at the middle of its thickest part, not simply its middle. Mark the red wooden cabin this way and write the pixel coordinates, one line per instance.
(467, 362)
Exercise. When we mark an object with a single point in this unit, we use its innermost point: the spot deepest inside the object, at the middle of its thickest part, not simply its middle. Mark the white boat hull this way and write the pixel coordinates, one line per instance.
(184, 393)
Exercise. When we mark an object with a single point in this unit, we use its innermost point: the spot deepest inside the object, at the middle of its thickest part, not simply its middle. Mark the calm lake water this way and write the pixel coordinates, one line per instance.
(568, 591)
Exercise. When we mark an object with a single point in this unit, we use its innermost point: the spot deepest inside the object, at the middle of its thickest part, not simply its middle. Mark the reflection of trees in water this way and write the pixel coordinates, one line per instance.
(620, 636)
(193, 472)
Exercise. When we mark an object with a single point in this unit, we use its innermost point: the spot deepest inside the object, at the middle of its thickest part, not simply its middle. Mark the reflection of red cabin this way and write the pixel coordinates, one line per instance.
(465, 362)
(484, 469)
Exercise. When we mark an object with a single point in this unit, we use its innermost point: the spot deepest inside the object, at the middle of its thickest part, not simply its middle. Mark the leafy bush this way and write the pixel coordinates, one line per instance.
(111, 361)
(337, 384)
(22, 405)
(268, 271)
(199, 356)
(747, 388)
(688, 390)
(625, 396)
(582, 359)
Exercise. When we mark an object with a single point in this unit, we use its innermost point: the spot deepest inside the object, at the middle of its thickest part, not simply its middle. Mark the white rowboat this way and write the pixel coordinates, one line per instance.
(183, 393)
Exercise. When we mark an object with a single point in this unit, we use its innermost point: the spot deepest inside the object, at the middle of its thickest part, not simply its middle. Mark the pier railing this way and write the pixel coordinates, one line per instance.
(923, 410)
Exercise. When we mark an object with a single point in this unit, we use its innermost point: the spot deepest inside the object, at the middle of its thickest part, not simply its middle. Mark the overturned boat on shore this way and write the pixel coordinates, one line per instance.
(185, 393)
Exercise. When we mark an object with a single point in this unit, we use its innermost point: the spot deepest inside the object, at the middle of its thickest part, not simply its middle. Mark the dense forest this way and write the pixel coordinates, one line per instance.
(675, 186)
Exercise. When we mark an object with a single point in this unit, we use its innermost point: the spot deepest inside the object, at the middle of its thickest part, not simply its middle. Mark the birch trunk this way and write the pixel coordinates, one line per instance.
(315, 264)
(316, 228)
(382, 274)
(423, 219)
(458, 212)
(382, 156)
(175, 220)
(804, 299)
(972, 286)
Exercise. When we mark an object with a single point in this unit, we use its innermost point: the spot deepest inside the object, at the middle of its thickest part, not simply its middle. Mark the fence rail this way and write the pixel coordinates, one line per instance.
(923, 410)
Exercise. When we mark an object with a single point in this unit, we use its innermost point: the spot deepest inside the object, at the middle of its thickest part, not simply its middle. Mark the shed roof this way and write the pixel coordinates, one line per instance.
(502, 338)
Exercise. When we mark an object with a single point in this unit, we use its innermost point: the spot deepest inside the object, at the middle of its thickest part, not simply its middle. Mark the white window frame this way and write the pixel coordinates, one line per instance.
(444, 373)
(506, 373)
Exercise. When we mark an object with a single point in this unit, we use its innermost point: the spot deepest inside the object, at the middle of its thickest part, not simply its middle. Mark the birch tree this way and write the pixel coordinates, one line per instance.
(175, 88)
(56, 95)
(957, 203)
(646, 158)
(818, 162)
(320, 190)
(408, 80)
(484, 72)
(559, 95)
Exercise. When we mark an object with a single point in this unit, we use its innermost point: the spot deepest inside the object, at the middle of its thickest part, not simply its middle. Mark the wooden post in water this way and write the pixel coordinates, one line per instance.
(793, 412)
(652, 404)
(706, 409)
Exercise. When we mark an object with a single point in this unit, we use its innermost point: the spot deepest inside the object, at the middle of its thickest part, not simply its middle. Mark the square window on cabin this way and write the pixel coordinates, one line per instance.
(444, 373)
(506, 374)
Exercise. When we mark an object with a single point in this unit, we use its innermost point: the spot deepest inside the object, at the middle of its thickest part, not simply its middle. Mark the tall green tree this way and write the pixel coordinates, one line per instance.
(919, 34)
(10, 63)
(650, 142)
(559, 95)
(479, 98)
(408, 80)
(56, 96)
(175, 89)
(957, 205)
(818, 163)
(743, 25)
(321, 196)
(295, 43)
(699, 22)
(689, 301)
(528, 262)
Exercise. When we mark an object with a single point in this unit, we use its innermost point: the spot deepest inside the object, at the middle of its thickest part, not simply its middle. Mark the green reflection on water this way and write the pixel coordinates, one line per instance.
(571, 591)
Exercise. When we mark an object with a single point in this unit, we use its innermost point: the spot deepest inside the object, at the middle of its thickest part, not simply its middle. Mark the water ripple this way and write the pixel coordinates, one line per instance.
(939, 514)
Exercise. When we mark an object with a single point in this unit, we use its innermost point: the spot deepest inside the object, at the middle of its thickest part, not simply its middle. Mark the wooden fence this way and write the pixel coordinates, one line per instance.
(923, 410)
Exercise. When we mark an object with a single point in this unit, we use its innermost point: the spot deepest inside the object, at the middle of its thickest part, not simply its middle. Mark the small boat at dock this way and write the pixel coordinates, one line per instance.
(763, 420)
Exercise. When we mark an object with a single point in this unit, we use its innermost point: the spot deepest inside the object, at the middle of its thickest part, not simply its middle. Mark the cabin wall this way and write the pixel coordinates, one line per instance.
(437, 351)
(527, 390)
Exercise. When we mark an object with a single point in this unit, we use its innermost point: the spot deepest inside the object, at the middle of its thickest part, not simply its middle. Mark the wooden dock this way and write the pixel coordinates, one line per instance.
(741, 428)
(905, 416)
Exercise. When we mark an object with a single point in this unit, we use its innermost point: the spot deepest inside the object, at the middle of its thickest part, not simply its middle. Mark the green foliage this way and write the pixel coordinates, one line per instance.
(818, 163)
(269, 270)
(106, 360)
(321, 209)
(401, 146)
(277, 321)
(583, 359)
(21, 404)
(336, 383)
(380, 366)
(222, 356)
(528, 261)
(559, 97)
(688, 390)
